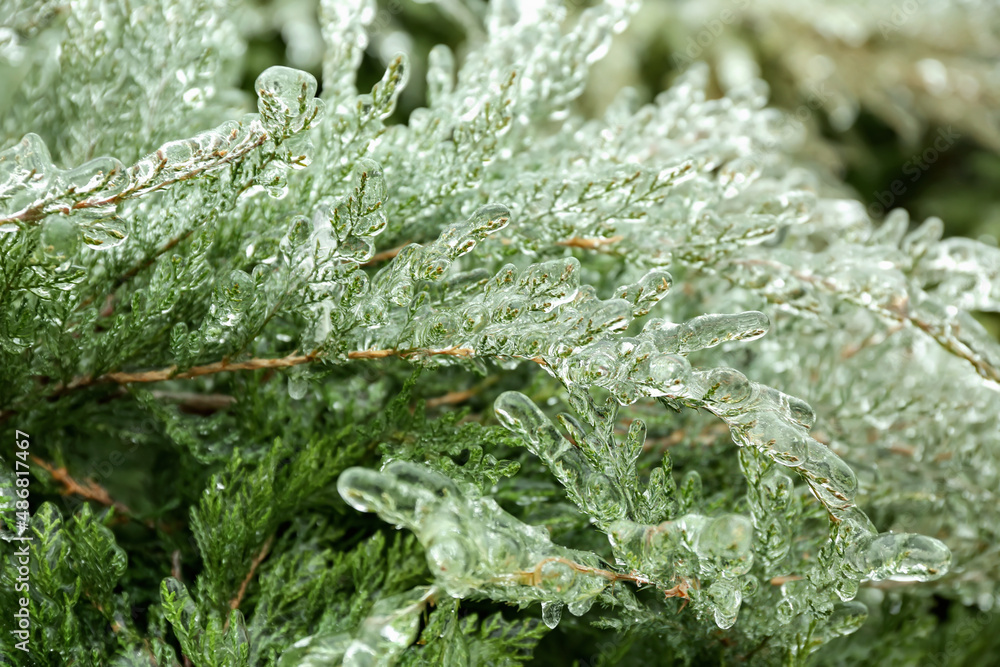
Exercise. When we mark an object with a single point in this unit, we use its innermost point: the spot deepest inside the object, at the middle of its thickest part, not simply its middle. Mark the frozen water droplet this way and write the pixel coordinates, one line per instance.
(283, 94)
(736, 174)
(488, 219)
(370, 178)
(669, 373)
(707, 331)
(893, 228)
(726, 542)
(784, 612)
(105, 233)
(604, 497)
(273, 179)
(776, 489)
(854, 526)
(298, 387)
(830, 478)
(726, 597)
(449, 553)
(846, 619)
(234, 297)
(784, 442)
(920, 240)
(726, 385)
(799, 410)
(60, 238)
(649, 290)
(901, 557)
(178, 154)
(557, 577)
(27, 162)
(551, 613)
(518, 413)
(581, 607)
(440, 74)
(362, 489)
(298, 233)
(845, 588)
(104, 174)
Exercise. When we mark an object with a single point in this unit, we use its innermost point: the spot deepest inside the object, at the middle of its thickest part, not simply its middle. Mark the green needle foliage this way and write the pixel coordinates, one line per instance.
(288, 383)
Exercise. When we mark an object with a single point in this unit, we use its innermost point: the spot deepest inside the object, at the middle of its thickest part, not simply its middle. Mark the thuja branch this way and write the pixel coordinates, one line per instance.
(146, 262)
(172, 372)
(897, 311)
(289, 361)
(143, 178)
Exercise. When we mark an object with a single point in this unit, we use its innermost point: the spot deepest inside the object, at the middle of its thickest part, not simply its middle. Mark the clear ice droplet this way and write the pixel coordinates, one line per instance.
(551, 614)
(105, 233)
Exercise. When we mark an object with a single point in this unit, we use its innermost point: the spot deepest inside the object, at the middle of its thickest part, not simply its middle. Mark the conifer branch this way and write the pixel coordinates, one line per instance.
(138, 185)
(141, 265)
(898, 312)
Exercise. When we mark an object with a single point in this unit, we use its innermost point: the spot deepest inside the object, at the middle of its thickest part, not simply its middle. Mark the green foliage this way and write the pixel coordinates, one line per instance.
(292, 382)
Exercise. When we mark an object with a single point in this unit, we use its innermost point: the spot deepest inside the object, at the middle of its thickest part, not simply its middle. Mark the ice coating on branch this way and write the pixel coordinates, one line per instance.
(596, 492)
(472, 545)
(391, 626)
(233, 297)
(899, 557)
(599, 476)
(91, 194)
(105, 232)
(717, 549)
(706, 331)
(286, 98)
(774, 430)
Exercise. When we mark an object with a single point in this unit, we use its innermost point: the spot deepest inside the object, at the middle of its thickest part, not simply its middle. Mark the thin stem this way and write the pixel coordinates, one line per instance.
(258, 559)
(89, 489)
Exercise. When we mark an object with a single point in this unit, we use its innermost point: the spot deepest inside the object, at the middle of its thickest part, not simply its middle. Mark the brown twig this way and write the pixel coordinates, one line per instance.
(384, 256)
(451, 398)
(175, 565)
(90, 489)
(589, 244)
(258, 559)
(196, 403)
(875, 339)
(139, 186)
(535, 577)
(404, 354)
(294, 359)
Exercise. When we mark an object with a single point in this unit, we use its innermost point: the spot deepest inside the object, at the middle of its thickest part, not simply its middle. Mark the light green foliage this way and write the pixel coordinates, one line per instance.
(646, 366)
